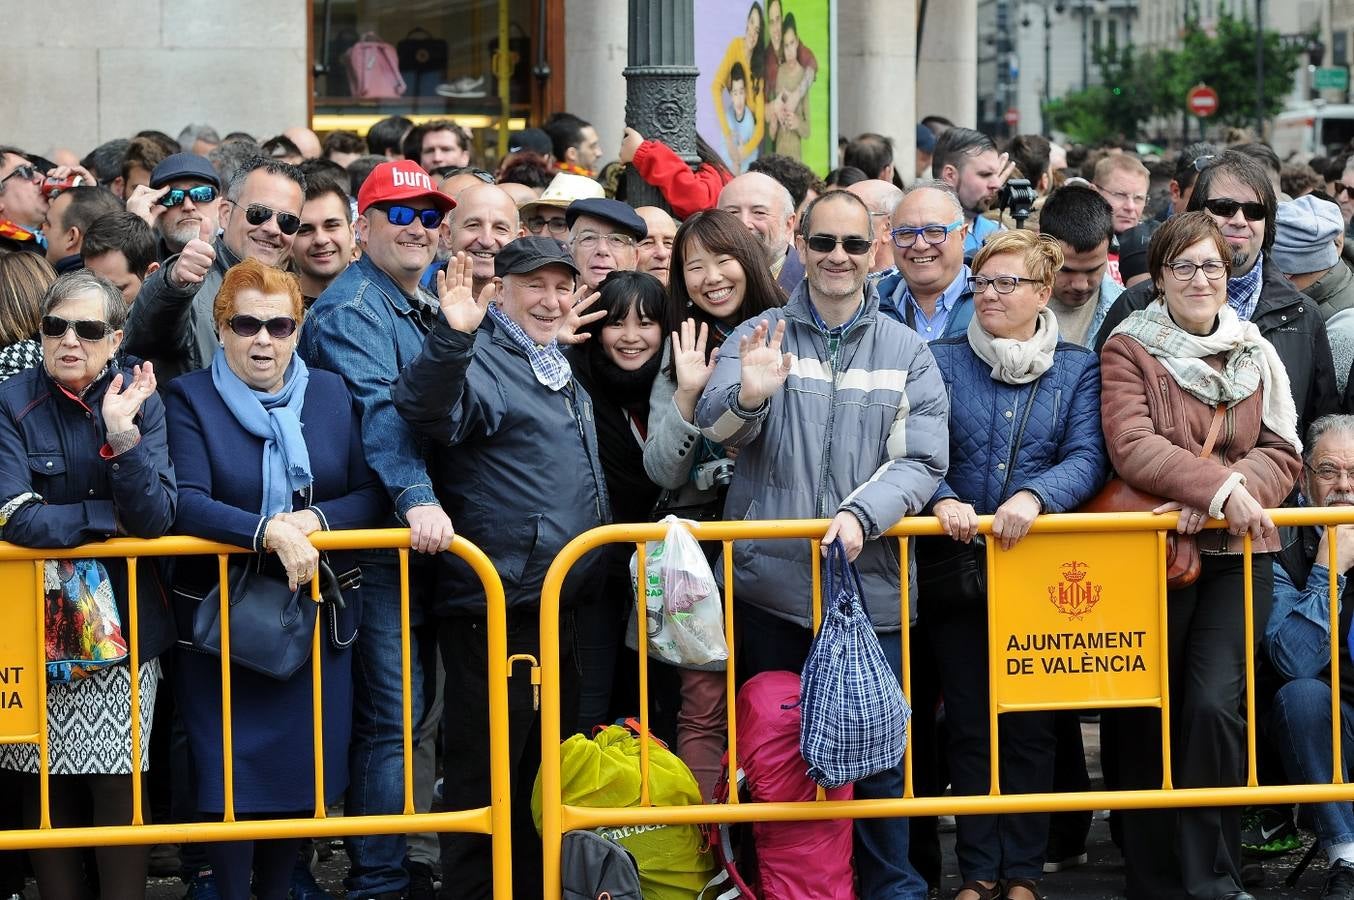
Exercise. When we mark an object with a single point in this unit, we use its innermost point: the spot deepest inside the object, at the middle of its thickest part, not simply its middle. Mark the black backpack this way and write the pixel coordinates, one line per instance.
(595, 868)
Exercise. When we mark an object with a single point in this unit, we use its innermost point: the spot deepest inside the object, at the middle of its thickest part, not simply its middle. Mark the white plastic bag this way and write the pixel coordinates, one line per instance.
(685, 617)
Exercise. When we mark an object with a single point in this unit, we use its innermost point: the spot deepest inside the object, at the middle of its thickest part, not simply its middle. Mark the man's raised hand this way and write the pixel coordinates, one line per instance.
(764, 366)
(456, 295)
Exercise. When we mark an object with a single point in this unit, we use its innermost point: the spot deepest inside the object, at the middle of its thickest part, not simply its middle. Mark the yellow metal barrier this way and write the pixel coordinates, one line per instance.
(23, 708)
(1129, 547)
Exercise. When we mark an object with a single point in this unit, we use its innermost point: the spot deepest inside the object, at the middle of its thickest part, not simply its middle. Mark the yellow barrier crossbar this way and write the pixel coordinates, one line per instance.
(493, 819)
(558, 818)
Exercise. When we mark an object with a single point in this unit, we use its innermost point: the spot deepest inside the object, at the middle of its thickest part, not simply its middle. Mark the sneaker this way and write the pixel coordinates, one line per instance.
(1268, 831)
(1063, 863)
(1339, 881)
(465, 88)
(202, 886)
(304, 886)
(422, 881)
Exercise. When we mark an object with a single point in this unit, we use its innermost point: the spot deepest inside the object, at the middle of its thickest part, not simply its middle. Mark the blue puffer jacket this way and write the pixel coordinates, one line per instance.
(1062, 453)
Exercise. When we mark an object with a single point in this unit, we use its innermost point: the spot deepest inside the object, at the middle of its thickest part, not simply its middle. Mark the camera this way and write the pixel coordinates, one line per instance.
(1017, 197)
(713, 474)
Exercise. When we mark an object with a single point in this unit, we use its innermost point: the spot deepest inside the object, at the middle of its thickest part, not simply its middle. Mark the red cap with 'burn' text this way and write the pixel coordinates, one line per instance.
(400, 180)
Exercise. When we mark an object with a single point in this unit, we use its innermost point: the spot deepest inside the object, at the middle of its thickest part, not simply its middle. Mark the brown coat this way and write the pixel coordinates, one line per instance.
(1154, 432)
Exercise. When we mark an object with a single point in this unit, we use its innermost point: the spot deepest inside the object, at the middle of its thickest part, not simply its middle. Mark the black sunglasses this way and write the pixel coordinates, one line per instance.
(85, 329)
(23, 173)
(287, 223)
(404, 215)
(247, 326)
(1225, 209)
(826, 243)
(202, 193)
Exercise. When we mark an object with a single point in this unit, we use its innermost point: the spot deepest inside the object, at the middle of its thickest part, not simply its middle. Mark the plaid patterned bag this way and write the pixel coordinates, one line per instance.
(854, 715)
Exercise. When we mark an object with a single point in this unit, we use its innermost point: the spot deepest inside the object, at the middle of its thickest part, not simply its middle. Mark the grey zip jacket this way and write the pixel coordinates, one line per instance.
(864, 432)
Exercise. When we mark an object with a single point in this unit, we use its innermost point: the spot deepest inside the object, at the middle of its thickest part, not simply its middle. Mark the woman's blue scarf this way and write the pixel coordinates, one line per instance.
(277, 419)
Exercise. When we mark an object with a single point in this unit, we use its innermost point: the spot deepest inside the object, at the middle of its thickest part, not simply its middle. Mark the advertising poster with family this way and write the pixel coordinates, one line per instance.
(765, 80)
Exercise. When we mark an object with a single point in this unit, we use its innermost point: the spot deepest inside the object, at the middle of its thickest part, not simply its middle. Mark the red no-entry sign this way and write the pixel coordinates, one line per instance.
(1012, 116)
(1202, 100)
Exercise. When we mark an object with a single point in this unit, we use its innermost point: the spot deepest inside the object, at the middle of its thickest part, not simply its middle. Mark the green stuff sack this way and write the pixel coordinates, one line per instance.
(674, 861)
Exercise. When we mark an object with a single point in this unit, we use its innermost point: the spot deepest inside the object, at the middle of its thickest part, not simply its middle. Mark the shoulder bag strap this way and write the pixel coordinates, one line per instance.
(1218, 415)
(1015, 444)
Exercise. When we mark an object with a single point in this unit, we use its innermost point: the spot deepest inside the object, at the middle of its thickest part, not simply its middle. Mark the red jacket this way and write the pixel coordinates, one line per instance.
(687, 192)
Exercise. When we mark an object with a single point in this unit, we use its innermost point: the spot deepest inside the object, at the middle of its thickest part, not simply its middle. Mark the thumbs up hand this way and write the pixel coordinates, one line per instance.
(197, 257)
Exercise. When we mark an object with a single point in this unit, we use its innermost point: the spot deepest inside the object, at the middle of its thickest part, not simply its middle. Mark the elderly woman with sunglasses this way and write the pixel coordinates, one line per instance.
(268, 452)
(1024, 439)
(1180, 376)
(86, 460)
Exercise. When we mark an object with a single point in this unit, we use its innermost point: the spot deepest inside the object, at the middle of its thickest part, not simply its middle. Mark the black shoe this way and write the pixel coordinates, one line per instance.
(1268, 831)
(422, 884)
(1339, 881)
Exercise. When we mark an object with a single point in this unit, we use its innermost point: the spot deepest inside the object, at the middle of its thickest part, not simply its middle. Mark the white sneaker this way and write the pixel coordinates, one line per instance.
(465, 88)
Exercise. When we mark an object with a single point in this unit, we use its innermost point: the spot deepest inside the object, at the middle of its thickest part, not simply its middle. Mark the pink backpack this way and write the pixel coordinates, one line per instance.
(770, 770)
(374, 69)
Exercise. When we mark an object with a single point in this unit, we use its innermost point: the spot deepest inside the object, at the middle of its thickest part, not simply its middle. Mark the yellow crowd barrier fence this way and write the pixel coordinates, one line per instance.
(23, 707)
(1076, 620)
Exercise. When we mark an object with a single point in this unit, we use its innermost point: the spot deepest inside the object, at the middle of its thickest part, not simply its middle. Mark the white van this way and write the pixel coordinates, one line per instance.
(1300, 134)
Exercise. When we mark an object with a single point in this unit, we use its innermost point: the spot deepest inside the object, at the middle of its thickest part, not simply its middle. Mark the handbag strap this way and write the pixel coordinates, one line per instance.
(1019, 436)
(839, 572)
(1213, 429)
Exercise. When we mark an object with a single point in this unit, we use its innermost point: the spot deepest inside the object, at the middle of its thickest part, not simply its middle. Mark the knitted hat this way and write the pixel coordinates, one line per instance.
(1304, 237)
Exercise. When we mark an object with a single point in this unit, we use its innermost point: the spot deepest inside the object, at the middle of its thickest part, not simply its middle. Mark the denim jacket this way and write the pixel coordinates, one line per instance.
(366, 329)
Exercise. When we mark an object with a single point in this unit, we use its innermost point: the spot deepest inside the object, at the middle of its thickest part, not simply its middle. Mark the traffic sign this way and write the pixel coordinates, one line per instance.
(1012, 116)
(1202, 100)
(1331, 78)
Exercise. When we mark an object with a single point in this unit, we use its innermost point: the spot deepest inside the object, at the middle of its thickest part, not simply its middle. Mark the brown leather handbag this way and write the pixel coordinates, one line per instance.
(1182, 552)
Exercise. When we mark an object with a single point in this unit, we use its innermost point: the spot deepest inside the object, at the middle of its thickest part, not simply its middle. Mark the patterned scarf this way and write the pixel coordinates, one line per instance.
(547, 362)
(1243, 291)
(15, 232)
(1251, 363)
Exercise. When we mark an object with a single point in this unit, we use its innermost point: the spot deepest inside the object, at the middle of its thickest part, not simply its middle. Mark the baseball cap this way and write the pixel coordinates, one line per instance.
(184, 165)
(527, 254)
(564, 189)
(614, 211)
(533, 139)
(926, 140)
(400, 179)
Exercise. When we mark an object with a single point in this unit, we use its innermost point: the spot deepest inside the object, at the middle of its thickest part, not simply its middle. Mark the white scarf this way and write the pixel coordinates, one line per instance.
(1251, 362)
(1012, 361)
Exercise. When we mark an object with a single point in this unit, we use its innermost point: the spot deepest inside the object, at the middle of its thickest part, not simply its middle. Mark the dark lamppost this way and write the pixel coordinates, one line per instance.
(660, 79)
(1046, 94)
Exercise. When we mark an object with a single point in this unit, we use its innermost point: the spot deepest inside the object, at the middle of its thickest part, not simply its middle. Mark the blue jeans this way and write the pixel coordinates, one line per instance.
(1301, 729)
(768, 643)
(376, 755)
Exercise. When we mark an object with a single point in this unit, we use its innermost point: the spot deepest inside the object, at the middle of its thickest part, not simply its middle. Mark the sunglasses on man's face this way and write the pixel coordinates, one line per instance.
(202, 193)
(1342, 188)
(287, 223)
(85, 329)
(23, 173)
(400, 216)
(278, 327)
(826, 243)
(1225, 209)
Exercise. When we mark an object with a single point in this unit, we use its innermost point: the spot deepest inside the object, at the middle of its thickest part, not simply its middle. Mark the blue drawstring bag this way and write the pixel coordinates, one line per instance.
(854, 715)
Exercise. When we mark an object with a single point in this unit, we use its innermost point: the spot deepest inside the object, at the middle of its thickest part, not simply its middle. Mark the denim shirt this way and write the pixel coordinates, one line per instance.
(366, 329)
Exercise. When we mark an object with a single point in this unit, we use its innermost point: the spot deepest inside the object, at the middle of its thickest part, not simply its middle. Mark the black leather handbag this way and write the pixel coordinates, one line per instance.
(271, 625)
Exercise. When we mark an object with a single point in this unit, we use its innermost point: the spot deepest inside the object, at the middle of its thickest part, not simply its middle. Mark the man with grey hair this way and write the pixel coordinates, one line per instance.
(767, 211)
(881, 198)
(199, 139)
(171, 321)
(929, 293)
(1298, 641)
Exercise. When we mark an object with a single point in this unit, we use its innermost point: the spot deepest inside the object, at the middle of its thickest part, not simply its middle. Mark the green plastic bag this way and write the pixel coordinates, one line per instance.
(674, 861)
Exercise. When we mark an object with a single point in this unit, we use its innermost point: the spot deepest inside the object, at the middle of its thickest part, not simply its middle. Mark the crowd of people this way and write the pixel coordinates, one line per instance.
(252, 342)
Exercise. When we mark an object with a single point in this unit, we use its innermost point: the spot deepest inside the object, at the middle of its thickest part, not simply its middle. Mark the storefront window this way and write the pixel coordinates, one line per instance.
(418, 58)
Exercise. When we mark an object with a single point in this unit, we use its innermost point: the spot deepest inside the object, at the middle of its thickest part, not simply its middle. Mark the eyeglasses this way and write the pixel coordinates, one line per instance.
(905, 236)
(202, 193)
(1002, 284)
(404, 215)
(1203, 162)
(1342, 188)
(1125, 196)
(826, 243)
(278, 327)
(85, 329)
(1213, 269)
(1225, 209)
(486, 177)
(557, 226)
(1328, 472)
(23, 173)
(287, 223)
(590, 239)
